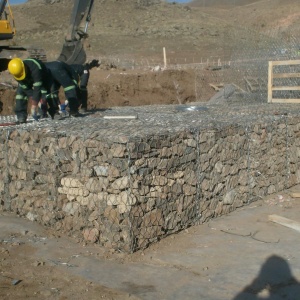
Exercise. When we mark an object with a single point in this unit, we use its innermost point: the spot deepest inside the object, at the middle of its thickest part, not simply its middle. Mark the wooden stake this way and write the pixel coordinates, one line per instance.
(165, 57)
(295, 194)
(285, 222)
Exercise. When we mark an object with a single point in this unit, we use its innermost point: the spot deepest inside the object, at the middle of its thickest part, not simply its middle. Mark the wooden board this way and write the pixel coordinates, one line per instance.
(277, 100)
(217, 87)
(286, 62)
(286, 75)
(286, 88)
(285, 222)
(120, 117)
(295, 194)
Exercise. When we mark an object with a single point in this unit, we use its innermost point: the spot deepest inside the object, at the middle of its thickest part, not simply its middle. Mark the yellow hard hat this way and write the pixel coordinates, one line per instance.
(16, 68)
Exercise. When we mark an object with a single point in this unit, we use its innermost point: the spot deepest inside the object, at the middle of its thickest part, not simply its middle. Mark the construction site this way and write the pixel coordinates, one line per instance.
(181, 181)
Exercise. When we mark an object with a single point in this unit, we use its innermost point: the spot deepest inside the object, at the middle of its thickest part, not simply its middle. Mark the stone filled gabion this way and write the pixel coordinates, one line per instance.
(126, 184)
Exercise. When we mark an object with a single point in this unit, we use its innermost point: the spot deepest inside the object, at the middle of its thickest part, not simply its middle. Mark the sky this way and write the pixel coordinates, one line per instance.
(12, 2)
(22, 1)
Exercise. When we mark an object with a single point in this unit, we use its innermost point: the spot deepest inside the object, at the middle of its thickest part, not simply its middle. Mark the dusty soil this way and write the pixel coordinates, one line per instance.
(23, 276)
(40, 281)
(220, 260)
(123, 34)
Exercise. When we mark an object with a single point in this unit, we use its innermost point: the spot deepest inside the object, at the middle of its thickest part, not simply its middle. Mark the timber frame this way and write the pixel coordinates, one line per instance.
(272, 75)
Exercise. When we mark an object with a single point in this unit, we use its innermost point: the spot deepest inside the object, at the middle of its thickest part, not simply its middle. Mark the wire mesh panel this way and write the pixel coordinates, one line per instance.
(265, 141)
(126, 184)
(31, 173)
(4, 177)
(223, 169)
(96, 191)
(292, 157)
(243, 62)
(125, 187)
(164, 180)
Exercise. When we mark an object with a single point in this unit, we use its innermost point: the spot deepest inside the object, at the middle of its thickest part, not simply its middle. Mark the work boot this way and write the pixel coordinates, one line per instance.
(83, 110)
(44, 116)
(21, 121)
(54, 115)
(57, 116)
(64, 113)
(74, 114)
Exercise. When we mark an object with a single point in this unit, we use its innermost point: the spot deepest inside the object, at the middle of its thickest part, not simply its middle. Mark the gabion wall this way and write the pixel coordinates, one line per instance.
(126, 184)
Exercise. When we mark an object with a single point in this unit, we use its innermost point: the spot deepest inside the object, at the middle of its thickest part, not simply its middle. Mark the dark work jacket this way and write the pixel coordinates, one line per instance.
(36, 78)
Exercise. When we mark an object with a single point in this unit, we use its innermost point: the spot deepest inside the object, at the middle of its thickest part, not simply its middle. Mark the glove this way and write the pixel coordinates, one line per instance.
(63, 107)
(21, 120)
(36, 117)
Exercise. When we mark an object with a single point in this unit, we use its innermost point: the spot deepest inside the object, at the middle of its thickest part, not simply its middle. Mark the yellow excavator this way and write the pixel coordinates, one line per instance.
(7, 33)
(73, 51)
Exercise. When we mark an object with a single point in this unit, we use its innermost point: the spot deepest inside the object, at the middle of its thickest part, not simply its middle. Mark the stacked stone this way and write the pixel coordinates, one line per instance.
(292, 131)
(125, 192)
(240, 165)
(163, 173)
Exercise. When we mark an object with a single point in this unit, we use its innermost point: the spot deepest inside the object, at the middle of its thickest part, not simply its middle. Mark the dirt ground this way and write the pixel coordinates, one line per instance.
(240, 256)
(214, 261)
(24, 276)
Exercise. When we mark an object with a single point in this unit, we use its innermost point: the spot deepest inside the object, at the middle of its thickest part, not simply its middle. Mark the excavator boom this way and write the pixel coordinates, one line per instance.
(73, 49)
(7, 26)
(2, 6)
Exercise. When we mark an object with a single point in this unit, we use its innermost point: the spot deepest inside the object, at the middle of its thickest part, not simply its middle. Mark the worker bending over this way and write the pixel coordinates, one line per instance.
(81, 74)
(34, 84)
(63, 76)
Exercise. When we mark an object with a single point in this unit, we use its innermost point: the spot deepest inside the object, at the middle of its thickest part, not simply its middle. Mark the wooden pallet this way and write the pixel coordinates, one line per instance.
(272, 75)
(218, 87)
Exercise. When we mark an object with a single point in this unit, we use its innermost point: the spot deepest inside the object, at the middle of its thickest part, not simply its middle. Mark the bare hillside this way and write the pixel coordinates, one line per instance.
(139, 29)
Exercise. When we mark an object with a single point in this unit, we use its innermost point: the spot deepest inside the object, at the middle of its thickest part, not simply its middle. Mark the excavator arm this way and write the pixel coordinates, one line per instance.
(73, 51)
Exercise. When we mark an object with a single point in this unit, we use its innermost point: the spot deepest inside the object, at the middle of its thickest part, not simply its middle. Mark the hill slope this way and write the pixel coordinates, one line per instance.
(140, 28)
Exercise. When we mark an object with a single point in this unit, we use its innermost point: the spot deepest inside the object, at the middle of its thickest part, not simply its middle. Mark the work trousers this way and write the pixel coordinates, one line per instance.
(62, 78)
(82, 93)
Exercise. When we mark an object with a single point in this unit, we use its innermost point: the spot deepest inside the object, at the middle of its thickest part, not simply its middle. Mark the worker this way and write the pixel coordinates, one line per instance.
(81, 74)
(34, 82)
(64, 76)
